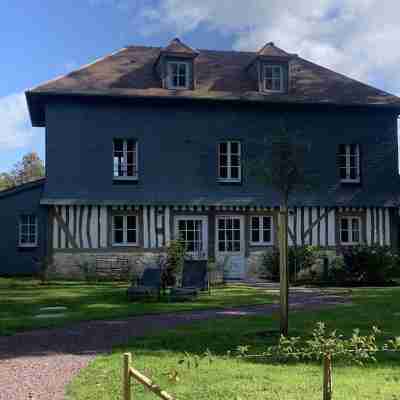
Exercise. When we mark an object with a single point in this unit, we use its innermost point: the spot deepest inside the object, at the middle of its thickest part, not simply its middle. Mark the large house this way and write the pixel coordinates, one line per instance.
(149, 143)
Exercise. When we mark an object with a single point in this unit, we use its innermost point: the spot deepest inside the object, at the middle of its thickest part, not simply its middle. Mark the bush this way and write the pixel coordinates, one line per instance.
(300, 258)
(172, 265)
(367, 264)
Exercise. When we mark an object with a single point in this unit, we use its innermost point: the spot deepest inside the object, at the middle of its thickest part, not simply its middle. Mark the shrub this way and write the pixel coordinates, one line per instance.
(300, 258)
(368, 264)
(172, 265)
(88, 270)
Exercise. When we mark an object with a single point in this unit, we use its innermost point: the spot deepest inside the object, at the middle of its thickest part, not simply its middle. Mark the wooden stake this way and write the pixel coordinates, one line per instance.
(126, 377)
(283, 270)
(327, 377)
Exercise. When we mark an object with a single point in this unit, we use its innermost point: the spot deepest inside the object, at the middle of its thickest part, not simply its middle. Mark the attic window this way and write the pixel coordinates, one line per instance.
(178, 75)
(273, 78)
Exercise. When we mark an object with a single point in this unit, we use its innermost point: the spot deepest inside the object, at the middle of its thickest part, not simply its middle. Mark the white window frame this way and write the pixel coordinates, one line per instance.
(280, 79)
(229, 166)
(261, 242)
(28, 225)
(125, 230)
(349, 219)
(203, 254)
(241, 230)
(170, 77)
(347, 155)
(125, 175)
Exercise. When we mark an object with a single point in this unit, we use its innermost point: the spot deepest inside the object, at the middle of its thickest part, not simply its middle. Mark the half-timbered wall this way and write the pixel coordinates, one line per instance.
(88, 226)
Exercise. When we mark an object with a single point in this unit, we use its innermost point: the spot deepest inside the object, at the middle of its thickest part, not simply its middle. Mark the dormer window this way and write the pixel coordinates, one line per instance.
(178, 75)
(273, 78)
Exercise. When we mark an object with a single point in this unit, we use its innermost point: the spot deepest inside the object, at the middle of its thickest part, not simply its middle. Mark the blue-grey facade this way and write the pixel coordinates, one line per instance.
(14, 203)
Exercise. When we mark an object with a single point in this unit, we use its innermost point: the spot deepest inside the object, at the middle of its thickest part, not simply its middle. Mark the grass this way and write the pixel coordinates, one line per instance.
(245, 379)
(21, 300)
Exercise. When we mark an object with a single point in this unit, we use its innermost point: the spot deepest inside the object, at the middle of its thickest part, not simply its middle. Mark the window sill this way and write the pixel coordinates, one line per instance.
(28, 246)
(350, 181)
(125, 245)
(261, 244)
(223, 180)
(125, 178)
(351, 244)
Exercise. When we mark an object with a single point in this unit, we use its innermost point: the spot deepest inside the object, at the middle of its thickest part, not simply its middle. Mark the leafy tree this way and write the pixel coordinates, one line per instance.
(282, 166)
(29, 169)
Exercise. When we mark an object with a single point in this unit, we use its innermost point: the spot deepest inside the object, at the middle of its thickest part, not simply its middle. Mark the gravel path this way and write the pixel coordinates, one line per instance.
(37, 365)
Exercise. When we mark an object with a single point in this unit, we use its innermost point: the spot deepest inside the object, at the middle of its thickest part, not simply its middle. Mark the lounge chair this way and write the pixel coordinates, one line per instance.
(148, 286)
(194, 279)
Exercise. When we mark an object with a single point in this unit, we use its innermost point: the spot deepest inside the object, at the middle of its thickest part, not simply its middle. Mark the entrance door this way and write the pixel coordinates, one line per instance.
(192, 230)
(230, 245)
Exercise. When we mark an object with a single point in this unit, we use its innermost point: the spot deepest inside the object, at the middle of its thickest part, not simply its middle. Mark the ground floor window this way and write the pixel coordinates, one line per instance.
(125, 232)
(229, 234)
(193, 232)
(350, 230)
(261, 230)
(28, 235)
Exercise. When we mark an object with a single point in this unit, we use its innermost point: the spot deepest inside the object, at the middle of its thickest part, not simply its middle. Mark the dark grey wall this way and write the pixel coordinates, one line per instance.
(15, 260)
(177, 152)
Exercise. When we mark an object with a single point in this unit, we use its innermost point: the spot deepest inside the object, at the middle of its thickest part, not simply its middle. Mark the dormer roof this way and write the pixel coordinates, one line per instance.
(270, 50)
(177, 47)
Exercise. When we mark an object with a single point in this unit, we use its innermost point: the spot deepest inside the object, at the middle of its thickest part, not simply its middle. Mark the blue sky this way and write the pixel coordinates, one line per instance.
(42, 39)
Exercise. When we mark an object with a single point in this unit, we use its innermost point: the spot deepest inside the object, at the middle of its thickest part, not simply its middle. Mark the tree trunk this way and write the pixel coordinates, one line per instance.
(327, 377)
(283, 270)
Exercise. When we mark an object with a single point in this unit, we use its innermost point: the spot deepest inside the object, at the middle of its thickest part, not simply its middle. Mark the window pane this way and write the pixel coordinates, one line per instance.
(221, 224)
(267, 222)
(223, 147)
(234, 147)
(235, 160)
(118, 222)
(221, 235)
(131, 236)
(174, 68)
(223, 160)
(118, 236)
(235, 172)
(266, 236)
(268, 84)
(344, 236)
(255, 235)
(182, 69)
(131, 222)
(182, 81)
(223, 172)
(236, 246)
(353, 173)
(236, 223)
(130, 145)
(268, 72)
(221, 246)
(255, 222)
(344, 224)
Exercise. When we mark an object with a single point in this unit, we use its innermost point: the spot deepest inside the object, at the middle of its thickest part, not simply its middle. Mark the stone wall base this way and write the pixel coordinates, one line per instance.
(72, 265)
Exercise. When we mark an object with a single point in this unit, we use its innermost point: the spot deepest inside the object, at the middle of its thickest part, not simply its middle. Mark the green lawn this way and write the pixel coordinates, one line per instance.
(21, 299)
(244, 379)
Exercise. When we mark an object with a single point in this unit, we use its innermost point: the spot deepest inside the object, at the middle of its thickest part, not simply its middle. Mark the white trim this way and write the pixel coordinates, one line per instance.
(204, 232)
(228, 165)
(125, 176)
(36, 234)
(331, 228)
(145, 228)
(369, 226)
(103, 227)
(280, 79)
(242, 242)
(125, 242)
(387, 227)
(261, 230)
(167, 226)
(170, 84)
(350, 219)
(153, 243)
(347, 155)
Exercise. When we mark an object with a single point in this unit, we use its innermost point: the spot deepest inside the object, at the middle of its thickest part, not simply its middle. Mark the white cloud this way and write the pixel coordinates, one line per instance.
(356, 37)
(15, 127)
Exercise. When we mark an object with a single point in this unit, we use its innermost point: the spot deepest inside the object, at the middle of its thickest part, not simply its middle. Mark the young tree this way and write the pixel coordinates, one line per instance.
(30, 168)
(282, 166)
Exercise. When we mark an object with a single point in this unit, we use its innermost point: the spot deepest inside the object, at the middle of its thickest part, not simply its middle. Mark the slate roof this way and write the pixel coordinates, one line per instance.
(220, 75)
(176, 46)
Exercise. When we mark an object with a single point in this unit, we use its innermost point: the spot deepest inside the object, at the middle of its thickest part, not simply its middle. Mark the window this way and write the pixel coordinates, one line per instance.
(125, 230)
(350, 230)
(178, 75)
(28, 235)
(349, 162)
(193, 232)
(125, 159)
(229, 234)
(229, 161)
(273, 78)
(261, 230)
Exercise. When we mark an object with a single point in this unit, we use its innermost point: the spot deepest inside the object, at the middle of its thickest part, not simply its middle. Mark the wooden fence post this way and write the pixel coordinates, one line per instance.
(126, 377)
(327, 366)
